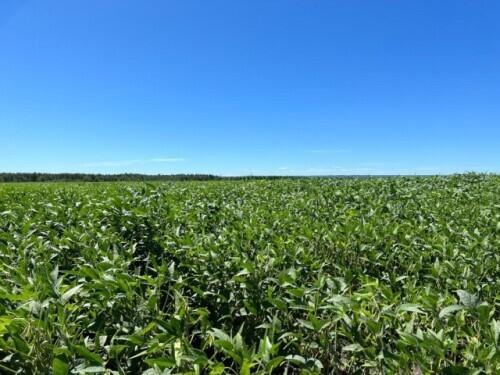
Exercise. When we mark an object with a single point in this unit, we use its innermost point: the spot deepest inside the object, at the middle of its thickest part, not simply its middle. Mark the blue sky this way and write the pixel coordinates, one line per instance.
(250, 87)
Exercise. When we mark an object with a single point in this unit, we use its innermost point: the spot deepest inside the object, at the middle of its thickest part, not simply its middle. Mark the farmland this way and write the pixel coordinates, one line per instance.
(374, 276)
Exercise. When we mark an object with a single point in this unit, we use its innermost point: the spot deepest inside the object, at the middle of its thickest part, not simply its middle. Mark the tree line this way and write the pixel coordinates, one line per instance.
(85, 177)
(46, 177)
(95, 177)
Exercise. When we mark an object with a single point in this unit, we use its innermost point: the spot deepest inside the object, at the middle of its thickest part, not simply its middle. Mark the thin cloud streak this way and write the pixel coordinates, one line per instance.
(124, 163)
(166, 160)
(357, 170)
(380, 164)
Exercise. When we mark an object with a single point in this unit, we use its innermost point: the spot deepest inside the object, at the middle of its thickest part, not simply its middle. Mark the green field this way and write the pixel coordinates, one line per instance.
(368, 276)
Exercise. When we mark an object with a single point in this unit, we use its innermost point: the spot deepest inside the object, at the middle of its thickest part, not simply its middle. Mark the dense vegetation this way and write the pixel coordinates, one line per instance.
(85, 177)
(370, 276)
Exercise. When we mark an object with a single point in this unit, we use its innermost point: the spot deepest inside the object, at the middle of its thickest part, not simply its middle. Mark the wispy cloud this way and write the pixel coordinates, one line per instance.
(380, 164)
(165, 160)
(124, 163)
(339, 171)
(310, 171)
(327, 151)
(332, 170)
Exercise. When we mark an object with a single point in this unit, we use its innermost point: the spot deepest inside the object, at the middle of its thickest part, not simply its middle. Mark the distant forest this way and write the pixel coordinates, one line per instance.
(83, 177)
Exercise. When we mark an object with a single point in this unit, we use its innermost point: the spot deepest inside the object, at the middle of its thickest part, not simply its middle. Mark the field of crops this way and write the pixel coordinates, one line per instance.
(367, 276)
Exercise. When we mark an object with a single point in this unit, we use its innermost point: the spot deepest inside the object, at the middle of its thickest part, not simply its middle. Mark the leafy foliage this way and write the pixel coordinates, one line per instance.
(392, 275)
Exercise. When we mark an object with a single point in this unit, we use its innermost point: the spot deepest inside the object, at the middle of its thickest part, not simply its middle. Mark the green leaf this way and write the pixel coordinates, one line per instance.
(273, 363)
(161, 362)
(91, 370)
(297, 359)
(70, 293)
(495, 329)
(352, 348)
(246, 367)
(4, 323)
(88, 355)
(151, 371)
(217, 369)
(467, 299)
(220, 334)
(54, 273)
(306, 324)
(410, 307)
(60, 366)
(449, 310)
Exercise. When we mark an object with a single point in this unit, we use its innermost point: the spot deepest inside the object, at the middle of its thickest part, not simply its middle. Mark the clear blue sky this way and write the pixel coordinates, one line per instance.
(250, 87)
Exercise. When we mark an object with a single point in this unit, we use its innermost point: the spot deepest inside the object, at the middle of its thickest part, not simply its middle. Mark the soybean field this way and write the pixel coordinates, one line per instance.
(395, 275)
